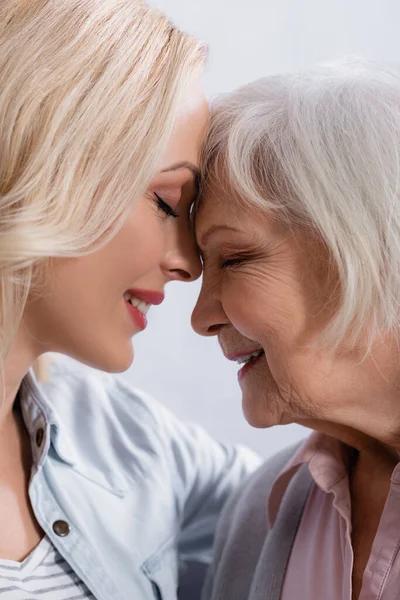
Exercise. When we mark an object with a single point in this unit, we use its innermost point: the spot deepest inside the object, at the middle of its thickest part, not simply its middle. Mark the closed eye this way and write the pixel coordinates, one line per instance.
(233, 262)
(166, 208)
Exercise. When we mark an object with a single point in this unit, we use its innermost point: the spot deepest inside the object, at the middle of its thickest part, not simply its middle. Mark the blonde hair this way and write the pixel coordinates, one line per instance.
(321, 150)
(89, 92)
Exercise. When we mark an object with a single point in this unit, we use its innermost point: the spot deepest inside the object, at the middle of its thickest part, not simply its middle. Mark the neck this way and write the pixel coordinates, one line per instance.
(16, 365)
(369, 450)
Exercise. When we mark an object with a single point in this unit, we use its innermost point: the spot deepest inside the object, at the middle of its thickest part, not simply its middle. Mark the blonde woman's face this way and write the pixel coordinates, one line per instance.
(95, 304)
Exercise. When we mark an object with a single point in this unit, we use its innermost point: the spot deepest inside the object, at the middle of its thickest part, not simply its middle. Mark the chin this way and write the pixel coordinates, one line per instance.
(259, 414)
(257, 418)
(107, 361)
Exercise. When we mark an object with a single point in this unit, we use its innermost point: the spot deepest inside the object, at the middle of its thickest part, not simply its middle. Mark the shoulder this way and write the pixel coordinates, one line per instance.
(115, 426)
(103, 416)
(73, 388)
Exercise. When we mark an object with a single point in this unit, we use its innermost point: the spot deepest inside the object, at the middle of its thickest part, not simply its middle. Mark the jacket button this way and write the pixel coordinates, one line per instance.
(61, 528)
(39, 436)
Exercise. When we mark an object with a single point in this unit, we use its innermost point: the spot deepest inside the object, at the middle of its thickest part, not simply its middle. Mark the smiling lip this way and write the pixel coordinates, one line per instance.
(148, 296)
(240, 354)
(248, 365)
(137, 316)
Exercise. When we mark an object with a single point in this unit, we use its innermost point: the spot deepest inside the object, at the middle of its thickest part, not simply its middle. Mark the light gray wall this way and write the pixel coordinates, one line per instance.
(248, 39)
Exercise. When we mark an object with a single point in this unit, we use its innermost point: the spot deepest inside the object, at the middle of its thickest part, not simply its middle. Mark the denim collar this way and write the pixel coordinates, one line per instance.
(48, 433)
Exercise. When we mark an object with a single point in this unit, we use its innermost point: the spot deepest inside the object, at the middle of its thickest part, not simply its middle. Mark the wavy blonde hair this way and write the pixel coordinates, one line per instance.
(89, 92)
(320, 150)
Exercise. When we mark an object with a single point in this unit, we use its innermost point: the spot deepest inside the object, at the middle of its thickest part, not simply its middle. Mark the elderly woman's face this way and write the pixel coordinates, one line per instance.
(266, 293)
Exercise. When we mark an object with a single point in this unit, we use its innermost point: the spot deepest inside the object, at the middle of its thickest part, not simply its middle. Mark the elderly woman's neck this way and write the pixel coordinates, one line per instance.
(385, 451)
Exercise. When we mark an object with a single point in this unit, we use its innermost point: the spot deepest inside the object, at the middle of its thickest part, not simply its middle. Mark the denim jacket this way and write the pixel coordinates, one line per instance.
(124, 490)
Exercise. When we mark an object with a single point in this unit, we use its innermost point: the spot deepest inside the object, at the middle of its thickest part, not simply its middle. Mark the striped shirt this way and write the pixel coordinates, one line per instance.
(43, 574)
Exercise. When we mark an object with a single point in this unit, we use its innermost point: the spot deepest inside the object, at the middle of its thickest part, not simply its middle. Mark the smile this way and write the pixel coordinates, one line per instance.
(138, 303)
(242, 358)
(141, 305)
(247, 360)
(254, 359)
(248, 357)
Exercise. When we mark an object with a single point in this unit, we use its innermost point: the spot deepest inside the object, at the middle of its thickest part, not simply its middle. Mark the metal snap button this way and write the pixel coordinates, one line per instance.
(61, 528)
(39, 436)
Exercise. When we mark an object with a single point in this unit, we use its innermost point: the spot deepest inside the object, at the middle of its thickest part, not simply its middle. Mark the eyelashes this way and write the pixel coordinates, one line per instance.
(166, 208)
(241, 258)
(235, 261)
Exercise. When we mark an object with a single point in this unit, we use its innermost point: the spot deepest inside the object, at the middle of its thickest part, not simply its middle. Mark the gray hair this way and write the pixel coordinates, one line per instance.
(321, 150)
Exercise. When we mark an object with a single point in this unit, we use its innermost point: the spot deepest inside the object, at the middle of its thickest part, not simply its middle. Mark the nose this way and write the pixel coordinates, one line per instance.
(182, 261)
(208, 316)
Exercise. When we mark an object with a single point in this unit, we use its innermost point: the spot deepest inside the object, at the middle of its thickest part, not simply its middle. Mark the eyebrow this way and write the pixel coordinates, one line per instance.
(213, 229)
(184, 165)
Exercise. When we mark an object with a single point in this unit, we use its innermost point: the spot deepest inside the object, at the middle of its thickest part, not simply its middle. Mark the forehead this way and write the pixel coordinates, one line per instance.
(220, 205)
(219, 200)
(225, 216)
(189, 130)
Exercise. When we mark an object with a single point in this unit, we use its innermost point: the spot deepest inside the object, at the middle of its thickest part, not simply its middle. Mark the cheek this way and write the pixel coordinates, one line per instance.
(262, 309)
(235, 300)
(136, 248)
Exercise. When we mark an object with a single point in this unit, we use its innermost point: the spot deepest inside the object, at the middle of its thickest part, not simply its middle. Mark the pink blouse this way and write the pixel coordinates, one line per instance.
(321, 562)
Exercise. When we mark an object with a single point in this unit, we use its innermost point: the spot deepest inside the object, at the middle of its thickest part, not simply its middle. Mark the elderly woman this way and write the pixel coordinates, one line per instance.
(299, 230)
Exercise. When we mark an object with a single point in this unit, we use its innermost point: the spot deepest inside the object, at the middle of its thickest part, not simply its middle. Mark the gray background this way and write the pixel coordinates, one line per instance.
(248, 39)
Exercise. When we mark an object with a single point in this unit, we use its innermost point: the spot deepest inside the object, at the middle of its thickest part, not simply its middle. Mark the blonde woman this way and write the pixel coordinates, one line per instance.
(102, 491)
(302, 284)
